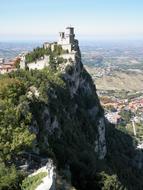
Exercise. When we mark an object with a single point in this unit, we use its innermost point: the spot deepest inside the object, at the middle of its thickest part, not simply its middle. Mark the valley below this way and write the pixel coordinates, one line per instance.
(117, 71)
(116, 79)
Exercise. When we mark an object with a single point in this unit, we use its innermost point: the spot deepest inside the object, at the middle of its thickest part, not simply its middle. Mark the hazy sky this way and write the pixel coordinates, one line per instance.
(42, 19)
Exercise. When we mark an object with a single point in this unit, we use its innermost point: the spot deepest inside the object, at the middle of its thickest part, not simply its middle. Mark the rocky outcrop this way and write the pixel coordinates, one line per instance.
(69, 124)
(80, 86)
(100, 143)
(48, 182)
(74, 75)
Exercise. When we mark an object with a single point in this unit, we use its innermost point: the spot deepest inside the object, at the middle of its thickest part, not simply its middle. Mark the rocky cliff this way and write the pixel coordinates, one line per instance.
(61, 110)
(72, 123)
(73, 130)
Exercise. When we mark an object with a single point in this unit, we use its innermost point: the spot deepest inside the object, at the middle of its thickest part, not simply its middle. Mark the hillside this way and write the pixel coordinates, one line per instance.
(118, 80)
(55, 113)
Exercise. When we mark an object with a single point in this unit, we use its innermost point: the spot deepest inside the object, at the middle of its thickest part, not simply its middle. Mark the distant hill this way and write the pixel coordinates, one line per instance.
(118, 80)
(9, 50)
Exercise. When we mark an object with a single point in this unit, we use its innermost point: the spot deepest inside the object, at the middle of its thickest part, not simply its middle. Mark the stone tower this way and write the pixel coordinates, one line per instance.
(70, 35)
(67, 39)
(23, 62)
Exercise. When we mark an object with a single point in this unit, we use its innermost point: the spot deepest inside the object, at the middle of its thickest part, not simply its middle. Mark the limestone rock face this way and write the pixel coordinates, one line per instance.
(71, 125)
(78, 82)
(48, 182)
(80, 86)
(100, 144)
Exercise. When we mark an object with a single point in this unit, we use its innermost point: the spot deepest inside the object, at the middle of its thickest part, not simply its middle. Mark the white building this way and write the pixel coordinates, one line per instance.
(23, 62)
(68, 56)
(67, 39)
(113, 117)
(47, 45)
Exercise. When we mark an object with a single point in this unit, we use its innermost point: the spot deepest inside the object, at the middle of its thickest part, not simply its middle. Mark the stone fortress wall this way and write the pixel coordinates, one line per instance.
(66, 41)
(39, 64)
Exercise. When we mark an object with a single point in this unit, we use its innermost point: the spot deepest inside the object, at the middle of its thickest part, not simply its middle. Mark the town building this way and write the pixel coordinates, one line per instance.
(7, 68)
(113, 117)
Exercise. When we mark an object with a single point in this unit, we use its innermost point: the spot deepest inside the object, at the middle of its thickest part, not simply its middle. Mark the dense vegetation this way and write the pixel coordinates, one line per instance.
(16, 112)
(16, 108)
(40, 52)
(10, 178)
(30, 183)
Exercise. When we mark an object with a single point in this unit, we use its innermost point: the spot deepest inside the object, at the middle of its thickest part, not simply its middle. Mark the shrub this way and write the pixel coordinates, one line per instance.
(10, 178)
(30, 183)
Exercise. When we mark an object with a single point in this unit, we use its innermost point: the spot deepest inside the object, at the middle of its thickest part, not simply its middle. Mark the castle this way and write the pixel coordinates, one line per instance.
(68, 43)
(66, 40)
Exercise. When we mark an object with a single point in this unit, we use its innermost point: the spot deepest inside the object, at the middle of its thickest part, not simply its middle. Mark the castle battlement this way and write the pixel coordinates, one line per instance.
(68, 43)
(67, 39)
